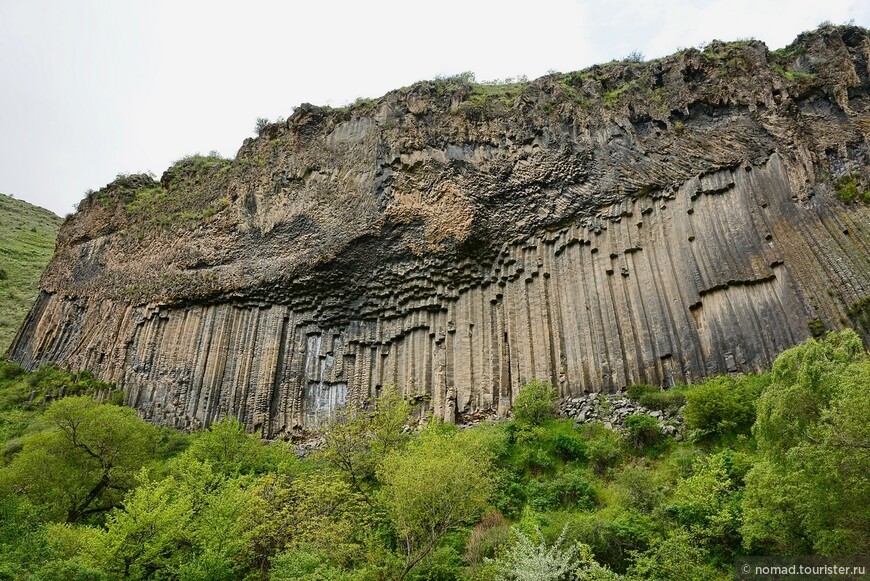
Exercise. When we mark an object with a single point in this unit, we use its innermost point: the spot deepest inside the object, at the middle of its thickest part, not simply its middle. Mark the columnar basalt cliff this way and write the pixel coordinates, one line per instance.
(634, 222)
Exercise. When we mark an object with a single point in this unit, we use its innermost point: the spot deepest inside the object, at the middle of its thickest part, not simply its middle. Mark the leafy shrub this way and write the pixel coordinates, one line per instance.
(816, 327)
(542, 448)
(682, 460)
(532, 560)
(642, 432)
(637, 488)
(535, 459)
(613, 534)
(9, 370)
(441, 564)
(603, 447)
(570, 489)
(487, 537)
(303, 565)
(848, 189)
(708, 505)
(653, 398)
(677, 557)
(436, 484)
(723, 407)
(570, 447)
(535, 403)
(231, 451)
(638, 390)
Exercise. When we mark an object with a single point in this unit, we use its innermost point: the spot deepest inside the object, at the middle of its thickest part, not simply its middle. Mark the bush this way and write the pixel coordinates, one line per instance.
(570, 447)
(571, 489)
(723, 407)
(653, 398)
(613, 534)
(9, 370)
(260, 125)
(642, 432)
(602, 447)
(533, 560)
(227, 447)
(677, 557)
(441, 564)
(638, 390)
(535, 403)
(304, 565)
(848, 189)
(543, 448)
(707, 506)
(487, 537)
(637, 488)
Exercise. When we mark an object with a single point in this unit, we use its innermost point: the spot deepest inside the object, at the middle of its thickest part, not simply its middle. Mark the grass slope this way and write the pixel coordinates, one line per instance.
(27, 235)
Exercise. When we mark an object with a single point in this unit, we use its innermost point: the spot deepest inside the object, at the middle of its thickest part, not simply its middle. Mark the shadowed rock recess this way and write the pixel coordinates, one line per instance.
(633, 222)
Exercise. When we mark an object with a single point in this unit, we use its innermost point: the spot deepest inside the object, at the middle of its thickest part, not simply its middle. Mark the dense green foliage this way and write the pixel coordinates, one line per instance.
(535, 403)
(809, 491)
(27, 235)
(772, 464)
(653, 398)
(849, 189)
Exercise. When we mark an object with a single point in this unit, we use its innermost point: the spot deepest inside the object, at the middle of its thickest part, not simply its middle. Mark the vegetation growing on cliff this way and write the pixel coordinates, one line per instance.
(776, 465)
(190, 191)
(27, 235)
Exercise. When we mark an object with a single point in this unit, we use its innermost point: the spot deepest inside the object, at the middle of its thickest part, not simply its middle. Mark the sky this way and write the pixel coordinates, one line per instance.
(93, 88)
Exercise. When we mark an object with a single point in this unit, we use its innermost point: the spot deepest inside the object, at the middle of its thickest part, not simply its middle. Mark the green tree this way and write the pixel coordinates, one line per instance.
(144, 537)
(319, 512)
(676, 557)
(84, 463)
(810, 491)
(535, 403)
(723, 407)
(356, 440)
(220, 531)
(436, 484)
(230, 450)
(707, 506)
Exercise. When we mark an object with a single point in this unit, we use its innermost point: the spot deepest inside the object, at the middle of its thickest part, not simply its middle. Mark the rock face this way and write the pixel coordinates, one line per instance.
(634, 222)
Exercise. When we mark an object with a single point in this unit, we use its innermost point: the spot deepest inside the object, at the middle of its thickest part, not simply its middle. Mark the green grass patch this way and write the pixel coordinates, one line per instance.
(793, 75)
(849, 189)
(193, 189)
(654, 398)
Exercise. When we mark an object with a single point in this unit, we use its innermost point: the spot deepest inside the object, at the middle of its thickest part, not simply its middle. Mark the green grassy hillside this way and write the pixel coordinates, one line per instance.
(27, 235)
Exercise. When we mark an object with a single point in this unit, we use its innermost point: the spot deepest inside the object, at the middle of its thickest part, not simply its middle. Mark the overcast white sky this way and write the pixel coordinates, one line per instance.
(93, 88)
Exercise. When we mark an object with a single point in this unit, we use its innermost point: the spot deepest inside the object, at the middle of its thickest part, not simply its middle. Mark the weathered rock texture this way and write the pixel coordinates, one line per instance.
(635, 222)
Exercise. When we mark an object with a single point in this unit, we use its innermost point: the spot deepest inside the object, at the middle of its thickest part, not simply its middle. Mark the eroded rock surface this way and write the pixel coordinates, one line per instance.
(632, 223)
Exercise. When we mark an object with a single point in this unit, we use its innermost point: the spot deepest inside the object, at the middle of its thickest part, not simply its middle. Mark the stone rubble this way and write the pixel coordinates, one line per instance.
(612, 409)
